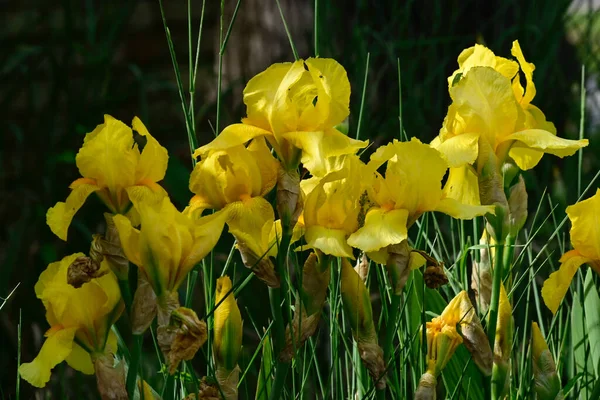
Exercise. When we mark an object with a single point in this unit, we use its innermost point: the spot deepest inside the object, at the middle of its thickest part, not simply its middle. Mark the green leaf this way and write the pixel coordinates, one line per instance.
(592, 319)
(265, 381)
(578, 334)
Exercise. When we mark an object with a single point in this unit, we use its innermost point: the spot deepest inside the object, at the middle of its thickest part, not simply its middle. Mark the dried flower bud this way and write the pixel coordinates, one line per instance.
(83, 270)
(546, 382)
(208, 391)
(434, 274)
(517, 204)
(263, 267)
(144, 307)
(110, 247)
(357, 307)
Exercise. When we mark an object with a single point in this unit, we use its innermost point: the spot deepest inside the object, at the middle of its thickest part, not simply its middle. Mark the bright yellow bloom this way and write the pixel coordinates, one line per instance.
(490, 105)
(412, 185)
(228, 326)
(585, 238)
(296, 106)
(235, 180)
(331, 209)
(118, 164)
(168, 244)
(80, 321)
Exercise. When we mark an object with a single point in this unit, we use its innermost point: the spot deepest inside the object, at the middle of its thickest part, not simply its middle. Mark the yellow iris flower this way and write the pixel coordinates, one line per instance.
(585, 238)
(80, 321)
(492, 116)
(118, 164)
(411, 186)
(234, 180)
(296, 107)
(331, 209)
(168, 243)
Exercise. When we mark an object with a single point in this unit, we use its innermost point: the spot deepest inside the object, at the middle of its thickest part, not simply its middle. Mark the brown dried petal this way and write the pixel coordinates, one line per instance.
(362, 267)
(398, 265)
(263, 267)
(435, 276)
(289, 203)
(110, 378)
(144, 306)
(427, 387)
(83, 270)
(228, 381)
(207, 392)
(372, 356)
(182, 337)
(303, 331)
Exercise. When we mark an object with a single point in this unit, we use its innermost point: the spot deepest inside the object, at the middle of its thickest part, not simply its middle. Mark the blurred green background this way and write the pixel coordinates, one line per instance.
(66, 63)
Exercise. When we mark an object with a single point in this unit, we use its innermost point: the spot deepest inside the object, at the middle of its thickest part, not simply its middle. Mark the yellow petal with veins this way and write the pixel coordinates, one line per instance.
(381, 229)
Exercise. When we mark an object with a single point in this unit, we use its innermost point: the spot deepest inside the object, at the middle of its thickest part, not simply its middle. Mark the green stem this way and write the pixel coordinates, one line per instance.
(134, 364)
(390, 333)
(281, 368)
(509, 252)
(493, 312)
(126, 294)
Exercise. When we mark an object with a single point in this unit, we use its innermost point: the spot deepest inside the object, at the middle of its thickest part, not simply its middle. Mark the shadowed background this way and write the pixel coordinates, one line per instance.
(66, 63)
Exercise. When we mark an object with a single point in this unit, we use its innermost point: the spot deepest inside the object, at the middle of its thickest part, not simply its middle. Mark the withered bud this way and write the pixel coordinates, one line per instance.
(144, 307)
(398, 265)
(475, 338)
(315, 280)
(362, 267)
(110, 378)
(263, 267)
(427, 387)
(110, 247)
(208, 391)
(517, 204)
(289, 202)
(181, 338)
(357, 307)
(83, 270)
(434, 274)
(481, 274)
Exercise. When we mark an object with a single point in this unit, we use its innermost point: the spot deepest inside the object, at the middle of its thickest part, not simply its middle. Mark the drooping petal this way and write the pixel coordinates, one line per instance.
(251, 222)
(154, 158)
(318, 146)
(381, 229)
(60, 216)
(557, 285)
(525, 157)
(267, 164)
(547, 142)
(462, 185)
(80, 360)
(460, 149)
(329, 241)
(56, 349)
(585, 231)
(459, 210)
(233, 135)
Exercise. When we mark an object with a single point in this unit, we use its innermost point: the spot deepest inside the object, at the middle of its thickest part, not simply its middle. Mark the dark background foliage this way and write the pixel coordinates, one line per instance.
(66, 63)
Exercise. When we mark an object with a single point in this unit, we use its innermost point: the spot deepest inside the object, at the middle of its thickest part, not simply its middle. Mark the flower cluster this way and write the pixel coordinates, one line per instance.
(341, 208)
